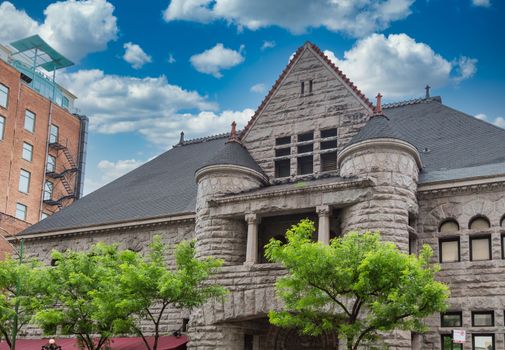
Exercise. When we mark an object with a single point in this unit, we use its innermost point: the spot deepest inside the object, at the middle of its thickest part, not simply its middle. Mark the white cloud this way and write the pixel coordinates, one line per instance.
(218, 58)
(171, 58)
(481, 3)
(356, 18)
(398, 66)
(15, 24)
(258, 88)
(267, 45)
(152, 107)
(498, 121)
(135, 56)
(74, 28)
(113, 170)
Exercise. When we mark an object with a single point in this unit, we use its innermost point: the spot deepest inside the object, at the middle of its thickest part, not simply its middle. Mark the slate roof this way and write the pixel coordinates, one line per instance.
(452, 145)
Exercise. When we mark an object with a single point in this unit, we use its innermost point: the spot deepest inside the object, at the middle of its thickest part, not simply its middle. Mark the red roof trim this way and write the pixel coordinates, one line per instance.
(281, 77)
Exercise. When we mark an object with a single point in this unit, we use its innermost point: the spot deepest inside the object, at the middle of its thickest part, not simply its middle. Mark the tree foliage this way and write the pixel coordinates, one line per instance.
(21, 284)
(151, 285)
(84, 287)
(357, 286)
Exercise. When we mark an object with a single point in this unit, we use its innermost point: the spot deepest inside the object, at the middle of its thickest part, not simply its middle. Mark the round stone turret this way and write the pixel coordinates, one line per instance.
(381, 153)
(232, 171)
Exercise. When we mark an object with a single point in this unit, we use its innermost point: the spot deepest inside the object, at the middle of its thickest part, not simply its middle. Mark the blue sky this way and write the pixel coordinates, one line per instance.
(145, 70)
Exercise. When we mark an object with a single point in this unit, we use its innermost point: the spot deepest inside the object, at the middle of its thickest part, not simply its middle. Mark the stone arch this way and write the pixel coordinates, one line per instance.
(448, 225)
(479, 222)
(291, 339)
(434, 219)
(502, 221)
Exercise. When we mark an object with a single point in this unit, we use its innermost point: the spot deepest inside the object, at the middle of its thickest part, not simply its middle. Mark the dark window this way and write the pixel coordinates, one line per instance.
(482, 318)
(308, 136)
(329, 133)
(328, 161)
(451, 319)
(282, 152)
(302, 89)
(449, 250)
(447, 343)
(283, 140)
(502, 222)
(480, 248)
(305, 165)
(503, 246)
(412, 244)
(248, 342)
(311, 85)
(305, 148)
(282, 168)
(483, 342)
(329, 144)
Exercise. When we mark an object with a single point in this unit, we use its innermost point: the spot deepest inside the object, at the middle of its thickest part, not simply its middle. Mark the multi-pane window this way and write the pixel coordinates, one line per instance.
(483, 318)
(483, 342)
(305, 165)
(480, 248)
(447, 343)
(283, 149)
(64, 102)
(308, 136)
(29, 121)
(2, 127)
(48, 190)
(329, 143)
(4, 95)
(51, 164)
(449, 250)
(53, 133)
(27, 152)
(21, 210)
(449, 226)
(24, 181)
(328, 161)
(479, 223)
(451, 319)
(282, 167)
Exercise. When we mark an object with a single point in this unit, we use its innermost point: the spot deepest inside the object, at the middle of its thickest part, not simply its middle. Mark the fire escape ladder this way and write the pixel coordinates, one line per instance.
(65, 176)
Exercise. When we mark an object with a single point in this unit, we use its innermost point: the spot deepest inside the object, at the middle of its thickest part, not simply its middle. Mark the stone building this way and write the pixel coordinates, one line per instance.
(42, 141)
(418, 171)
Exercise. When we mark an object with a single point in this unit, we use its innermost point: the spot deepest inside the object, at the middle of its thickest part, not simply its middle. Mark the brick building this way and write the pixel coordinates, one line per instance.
(419, 171)
(42, 143)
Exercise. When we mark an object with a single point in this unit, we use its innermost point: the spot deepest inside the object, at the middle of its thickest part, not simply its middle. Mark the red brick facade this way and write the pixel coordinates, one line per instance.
(22, 98)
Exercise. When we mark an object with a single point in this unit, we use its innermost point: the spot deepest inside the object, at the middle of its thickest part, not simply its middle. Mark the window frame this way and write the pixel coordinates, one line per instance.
(451, 313)
(277, 166)
(46, 191)
(283, 140)
(28, 112)
(502, 241)
(7, 91)
(449, 239)
(474, 335)
(3, 121)
(324, 131)
(446, 221)
(479, 217)
(299, 165)
(51, 128)
(323, 160)
(29, 177)
(25, 212)
(49, 156)
(483, 312)
(490, 246)
(442, 336)
(31, 152)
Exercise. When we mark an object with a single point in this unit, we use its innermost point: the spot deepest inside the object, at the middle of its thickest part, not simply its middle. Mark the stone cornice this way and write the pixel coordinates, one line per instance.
(153, 222)
(461, 187)
(378, 143)
(359, 183)
(229, 168)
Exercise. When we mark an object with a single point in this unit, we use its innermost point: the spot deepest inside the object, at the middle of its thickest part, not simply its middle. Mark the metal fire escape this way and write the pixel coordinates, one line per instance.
(67, 177)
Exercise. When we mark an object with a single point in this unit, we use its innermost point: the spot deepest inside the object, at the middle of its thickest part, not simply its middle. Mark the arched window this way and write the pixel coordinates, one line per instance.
(449, 226)
(502, 222)
(479, 223)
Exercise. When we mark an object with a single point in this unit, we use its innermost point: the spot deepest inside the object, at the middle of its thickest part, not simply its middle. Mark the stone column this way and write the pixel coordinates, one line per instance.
(252, 239)
(323, 234)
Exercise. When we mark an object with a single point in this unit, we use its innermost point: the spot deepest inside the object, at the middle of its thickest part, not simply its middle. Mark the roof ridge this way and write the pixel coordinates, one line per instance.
(411, 102)
(203, 139)
(288, 67)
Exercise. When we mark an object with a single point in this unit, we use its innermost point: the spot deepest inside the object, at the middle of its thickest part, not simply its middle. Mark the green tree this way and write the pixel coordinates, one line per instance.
(21, 295)
(153, 285)
(84, 286)
(356, 287)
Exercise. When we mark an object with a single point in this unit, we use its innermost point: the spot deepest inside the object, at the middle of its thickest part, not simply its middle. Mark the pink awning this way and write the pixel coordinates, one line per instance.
(164, 343)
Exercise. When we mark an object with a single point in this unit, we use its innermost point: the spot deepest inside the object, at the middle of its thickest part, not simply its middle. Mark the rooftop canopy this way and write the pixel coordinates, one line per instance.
(39, 53)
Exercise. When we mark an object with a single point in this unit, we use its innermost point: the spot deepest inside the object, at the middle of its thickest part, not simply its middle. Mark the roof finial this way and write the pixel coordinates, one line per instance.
(181, 139)
(233, 133)
(427, 88)
(378, 106)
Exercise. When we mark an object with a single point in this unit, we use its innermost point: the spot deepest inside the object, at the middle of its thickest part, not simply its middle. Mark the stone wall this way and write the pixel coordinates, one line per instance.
(288, 112)
(136, 239)
(474, 285)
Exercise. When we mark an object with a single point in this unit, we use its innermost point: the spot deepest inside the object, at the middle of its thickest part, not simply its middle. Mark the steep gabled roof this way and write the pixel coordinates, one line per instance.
(307, 46)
